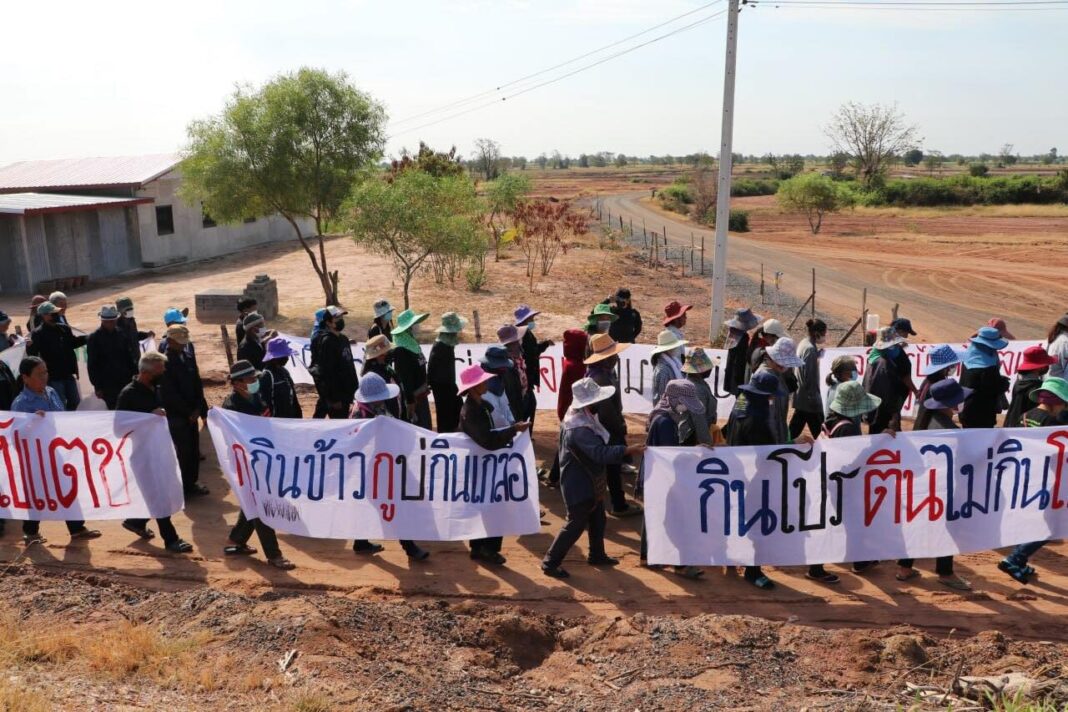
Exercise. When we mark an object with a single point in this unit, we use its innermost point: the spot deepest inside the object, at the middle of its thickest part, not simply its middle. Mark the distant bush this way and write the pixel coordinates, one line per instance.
(748, 187)
(978, 170)
(676, 197)
(814, 195)
(738, 221)
(968, 190)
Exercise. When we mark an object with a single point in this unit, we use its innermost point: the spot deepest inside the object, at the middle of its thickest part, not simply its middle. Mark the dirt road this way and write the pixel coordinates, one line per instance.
(949, 274)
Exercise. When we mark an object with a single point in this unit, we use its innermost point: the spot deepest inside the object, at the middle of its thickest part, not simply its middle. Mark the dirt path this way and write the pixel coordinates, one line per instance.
(949, 274)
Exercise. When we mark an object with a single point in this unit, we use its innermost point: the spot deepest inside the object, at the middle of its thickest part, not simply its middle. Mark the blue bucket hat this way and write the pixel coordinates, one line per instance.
(495, 359)
(173, 316)
(524, 312)
(764, 384)
(946, 394)
(941, 358)
(989, 337)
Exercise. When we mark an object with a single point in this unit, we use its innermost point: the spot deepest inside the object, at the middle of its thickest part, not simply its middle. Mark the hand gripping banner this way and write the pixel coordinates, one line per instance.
(375, 479)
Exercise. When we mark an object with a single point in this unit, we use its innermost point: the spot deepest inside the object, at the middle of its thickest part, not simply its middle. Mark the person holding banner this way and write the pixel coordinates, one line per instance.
(141, 395)
(372, 398)
(942, 362)
(332, 367)
(889, 378)
(808, 404)
(502, 391)
(532, 350)
(40, 398)
(1052, 399)
(441, 372)
(944, 400)
(1029, 373)
(410, 365)
(376, 360)
(779, 359)
(737, 346)
(245, 398)
(697, 371)
(843, 370)
(584, 452)
(383, 320)
(6, 340)
(572, 370)
(476, 422)
(765, 337)
(1057, 347)
(183, 399)
(667, 357)
(982, 373)
(55, 343)
(110, 363)
(276, 385)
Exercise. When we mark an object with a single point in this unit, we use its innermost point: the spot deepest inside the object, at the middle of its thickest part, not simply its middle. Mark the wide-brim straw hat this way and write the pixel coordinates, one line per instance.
(585, 392)
(667, 341)
(851, 400)
(697, 362)
(376, 346)
(407, 319)
(603, 346)
(744, 320)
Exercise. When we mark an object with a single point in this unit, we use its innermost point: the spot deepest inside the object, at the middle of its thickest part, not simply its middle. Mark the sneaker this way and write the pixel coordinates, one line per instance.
(418, 553)
(367, 548)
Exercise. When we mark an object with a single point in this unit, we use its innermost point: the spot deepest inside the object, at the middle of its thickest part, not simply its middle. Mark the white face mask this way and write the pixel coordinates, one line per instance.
(602, 326)
(129, 313)
(681, 408)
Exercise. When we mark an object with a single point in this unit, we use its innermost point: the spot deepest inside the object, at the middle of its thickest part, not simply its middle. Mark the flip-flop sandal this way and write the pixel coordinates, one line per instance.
(865, 568)
(956, 584)
(763, 583)
(179, 547)
(913, 573)
(1019, 574)
(281, 562)
(142, 533)
(239, 550)
(824, 578)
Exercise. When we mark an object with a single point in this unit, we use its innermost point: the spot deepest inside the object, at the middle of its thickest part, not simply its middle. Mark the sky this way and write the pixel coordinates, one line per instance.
(118, 78)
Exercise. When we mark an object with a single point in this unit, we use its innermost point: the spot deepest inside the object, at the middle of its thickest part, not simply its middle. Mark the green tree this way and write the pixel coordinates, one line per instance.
(621, 160)
(413, 218)
(293, 147)
(814, 195)
(912, 157)
(933, 161)
(501, 198)
(838, 162)
(436, 163)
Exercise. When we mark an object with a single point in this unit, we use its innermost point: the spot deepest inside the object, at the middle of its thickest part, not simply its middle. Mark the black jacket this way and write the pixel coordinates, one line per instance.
(55, 344)
(411, 374)
(279, 393)
(111, 365)
(332, 367)
(981, 410)
(627, 327)
(532, 351)
(737, 360)
(610, 411)
(134, 337)
(255, 406)
(182, 389)
(477, 424)
(139, 398)
(239, 329)
(253, 351)
(1021, 403)
(441, 376)
(751, 422)
(9, 386)
(389, 376)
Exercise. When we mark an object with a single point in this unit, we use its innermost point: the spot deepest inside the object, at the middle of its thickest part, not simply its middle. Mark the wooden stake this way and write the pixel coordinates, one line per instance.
(702, 253)
(227, 344)
(813, 292)
(478, 326)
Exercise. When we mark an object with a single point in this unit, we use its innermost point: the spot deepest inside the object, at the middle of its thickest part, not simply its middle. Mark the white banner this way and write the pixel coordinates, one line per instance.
(863, 498)
(375, 479)
(113, 465)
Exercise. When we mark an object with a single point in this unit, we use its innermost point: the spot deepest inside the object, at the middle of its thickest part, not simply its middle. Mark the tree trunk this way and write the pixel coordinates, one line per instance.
(407, 283)
(329, 292)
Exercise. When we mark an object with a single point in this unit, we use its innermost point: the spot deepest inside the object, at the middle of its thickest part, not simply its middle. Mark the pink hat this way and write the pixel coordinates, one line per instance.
(471, 377)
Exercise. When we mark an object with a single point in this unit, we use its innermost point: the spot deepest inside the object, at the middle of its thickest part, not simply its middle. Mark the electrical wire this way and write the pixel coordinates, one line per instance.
(1024, 6)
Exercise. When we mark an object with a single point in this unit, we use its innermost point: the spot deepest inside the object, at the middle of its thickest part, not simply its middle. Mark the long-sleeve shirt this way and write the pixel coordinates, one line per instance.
(110, 363)
(583, 456)
(981, 410)
(610, 411)
(532, 351)
(55, 344)
(627, 327)
(139, 398)
(252, 350)
(735, 367)
(1021, 401)
(278, 392)
(807, 398)
(476, 422)
(411, 373)
(333, 369)
(182, 389)
(30, 402)
(1059, 350)
(441, 376)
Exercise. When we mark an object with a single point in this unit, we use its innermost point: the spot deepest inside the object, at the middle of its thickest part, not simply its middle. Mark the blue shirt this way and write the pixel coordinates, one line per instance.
(30, 402)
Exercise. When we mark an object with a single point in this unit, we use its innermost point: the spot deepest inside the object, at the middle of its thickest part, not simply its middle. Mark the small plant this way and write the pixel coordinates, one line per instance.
(738, 221)
(476, 277)
(978, 170)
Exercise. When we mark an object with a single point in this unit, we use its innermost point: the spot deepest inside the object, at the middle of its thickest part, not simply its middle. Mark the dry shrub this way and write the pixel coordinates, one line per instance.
(312, 703)
(15, 699)
(25, 643)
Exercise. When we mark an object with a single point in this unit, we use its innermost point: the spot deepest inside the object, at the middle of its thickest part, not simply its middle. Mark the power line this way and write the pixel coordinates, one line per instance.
(572, 73)
(1042, 6)
(580, 57)
(922, 3)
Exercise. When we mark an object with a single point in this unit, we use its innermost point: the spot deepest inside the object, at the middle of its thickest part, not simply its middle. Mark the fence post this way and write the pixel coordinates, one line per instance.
(762, 302)
(478, 326)
(702, 253)
(813, 292)
(894, 312)
(864, 317)
(227, 344)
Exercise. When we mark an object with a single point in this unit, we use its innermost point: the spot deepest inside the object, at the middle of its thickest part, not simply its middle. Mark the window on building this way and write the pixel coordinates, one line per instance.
(164, 220)
(251, 219)
(205, 219)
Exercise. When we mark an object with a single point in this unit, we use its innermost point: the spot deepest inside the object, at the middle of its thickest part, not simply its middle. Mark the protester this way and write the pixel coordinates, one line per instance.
(945, 398)
(54, 342)
(779, 358)
(943, 362)
(1052, 398)
(903, 328)
(7, 340)
(183, 399)
(601, 367)
(675, 318)
(245, 306)
(127, 324)
(477, 423)
(599, 321)
(277, 389)
(317, 323)
(108, 357)
(371, 402)
(1057, 347)
(532, 350)
(40, 398)
(572, 370)
(667, 357)
(245, 398)
(175, 317)
(376, 360)
(517, 383)
(60, 300)
(737, 346)
(1034, 365)
(697, 371)
(332, 368)
(441, 372)
(982, 374)
(251, 347)
(9, 388)
(383, 320)
(34, 321)
(769, 332)
(141, 395)
(410, 365)
(584, 452)
(628, 324)
(808, 404)
(889, 378)
(502, 391)
(843, 370)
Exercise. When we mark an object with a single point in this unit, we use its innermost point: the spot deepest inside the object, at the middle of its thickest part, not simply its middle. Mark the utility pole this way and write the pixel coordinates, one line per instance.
(723, 199)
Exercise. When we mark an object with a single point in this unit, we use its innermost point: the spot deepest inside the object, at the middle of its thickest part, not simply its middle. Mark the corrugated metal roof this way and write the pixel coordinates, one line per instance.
(73, 173)
(38, 203)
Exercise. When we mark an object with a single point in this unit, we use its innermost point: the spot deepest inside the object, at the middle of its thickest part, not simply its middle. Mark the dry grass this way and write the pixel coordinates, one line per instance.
(976, 211)
(16, 699)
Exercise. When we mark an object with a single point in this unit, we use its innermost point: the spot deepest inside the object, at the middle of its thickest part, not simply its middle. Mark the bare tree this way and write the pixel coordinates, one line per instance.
(705, 182)
(872, 135)
(488, 158)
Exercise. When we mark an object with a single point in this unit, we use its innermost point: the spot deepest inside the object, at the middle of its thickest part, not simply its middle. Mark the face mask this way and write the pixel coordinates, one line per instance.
(530, 326)
(155, 380)
(129, 314)
(254, 388)
(602, 326)
(339, 324)
(681, 408)
(854, 376)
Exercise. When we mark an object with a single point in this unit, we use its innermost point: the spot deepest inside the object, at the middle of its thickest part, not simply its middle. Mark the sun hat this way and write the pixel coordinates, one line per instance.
(382, 308)
(240, 369)
(178, 334)
(603, 310)
(902, 325)
(471, 377)
(123, 304)
(524, 312)
(252, 319)
(335, 311)
(373, 388)
(698, 362)
(496, 358)
(376, 346)
(1001, 326)
(451, 323)
(108, 312)
(851, 400)
(1052, 384)
(4, 318)
(1034, 358)
(841, 362)
(279, 347)
(407, 319)
(56, 296)
(586, 392)
(947, 393)
(674, 310)
(764, 384)
(942, 357)
(774, 327)
(744, 320)
(37, 300)
(683, 391)
(174, 316)
(989, 337)
(784, 353)
(666, 341)
(603, 346)
(45, 308)
(888, 338)
(510, 334)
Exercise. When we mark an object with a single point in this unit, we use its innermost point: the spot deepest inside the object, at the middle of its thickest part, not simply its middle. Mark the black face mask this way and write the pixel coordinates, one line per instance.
(339, 324)
(156, 380)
